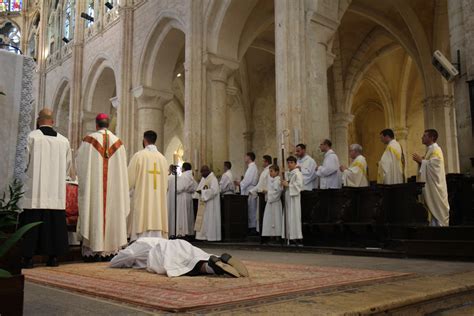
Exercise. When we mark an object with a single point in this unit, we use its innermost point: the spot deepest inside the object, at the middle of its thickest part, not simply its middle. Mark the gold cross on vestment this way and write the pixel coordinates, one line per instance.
(154, 172)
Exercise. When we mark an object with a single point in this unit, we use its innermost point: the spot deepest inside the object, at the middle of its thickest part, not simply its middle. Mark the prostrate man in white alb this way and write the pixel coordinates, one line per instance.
(391, 165)
(148, 179)
(226, 184)
(356, 174)
(307, 165)
(185, 210)
(249, 181)
(328, 173)
(435, 192)
(104, 201)
(208, 219)
(175, 258)
(49, 163)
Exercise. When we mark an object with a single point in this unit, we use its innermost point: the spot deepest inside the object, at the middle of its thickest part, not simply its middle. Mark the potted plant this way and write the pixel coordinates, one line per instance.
(11, 279)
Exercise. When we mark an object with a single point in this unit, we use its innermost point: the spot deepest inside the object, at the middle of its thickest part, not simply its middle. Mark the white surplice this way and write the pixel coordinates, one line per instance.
(186, 187)
(171, 206)
(104, 201)
(226, 184)
(329, 173)
(211, 224)
(249, 181)
(308, 169)
(356, 174)
(260, 187)
(171, 257)
(148, 180)
(293, 205)
(390, 167)
(272, 216)
(49, 162)
(435, 191)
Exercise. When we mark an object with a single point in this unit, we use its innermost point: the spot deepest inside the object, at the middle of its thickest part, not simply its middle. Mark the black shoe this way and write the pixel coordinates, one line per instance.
(221, 267)
(27, 263)
(107, 258)
(52, 261)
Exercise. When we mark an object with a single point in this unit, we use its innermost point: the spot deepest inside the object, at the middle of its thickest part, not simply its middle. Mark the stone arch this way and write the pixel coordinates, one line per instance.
(61, 107)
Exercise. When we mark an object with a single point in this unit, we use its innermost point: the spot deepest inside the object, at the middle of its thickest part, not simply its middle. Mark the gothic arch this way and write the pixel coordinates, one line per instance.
(61, 107)
(97, 70)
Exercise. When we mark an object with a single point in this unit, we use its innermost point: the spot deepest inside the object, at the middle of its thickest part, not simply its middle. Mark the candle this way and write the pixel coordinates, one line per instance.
(282, 139)
(196, 159)
(296, 132)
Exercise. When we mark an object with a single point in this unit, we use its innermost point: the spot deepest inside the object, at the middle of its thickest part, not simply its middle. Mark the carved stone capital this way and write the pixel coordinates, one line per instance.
(438, 102)
(401, 133)
(150, 98)
(220, 68)
(342, 119)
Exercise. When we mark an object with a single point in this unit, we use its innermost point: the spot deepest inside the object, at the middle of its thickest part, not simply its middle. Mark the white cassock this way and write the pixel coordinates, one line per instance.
(293, 205)
(356, 174)
(171, 206)
(273, 209)
(260, 187)
(390, 168)
(308, 169)
(211, 222)
(162, 256)
(226, 184)
(435, 192)
(249, 181)
(104, 201)
(45, 186)
(186, 187)
(148, 180)
(329, 173)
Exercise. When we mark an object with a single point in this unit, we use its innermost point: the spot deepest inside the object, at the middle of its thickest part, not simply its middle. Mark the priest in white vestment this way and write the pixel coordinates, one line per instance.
(49, 164)
(307, 166)
(147, 178)
(209, 226)
(273, 209)
(356, 174)
(171, 202)
(249, 181)
(261, 186)
(185, 209)
(104, 201)
(175, 258)
(226, 184)
(391, 165)
(432, 173)
(328, 173)
(294, 186)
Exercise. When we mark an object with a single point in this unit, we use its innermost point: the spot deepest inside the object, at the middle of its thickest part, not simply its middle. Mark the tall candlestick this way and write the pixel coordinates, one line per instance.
(296, 132)
(196, 159)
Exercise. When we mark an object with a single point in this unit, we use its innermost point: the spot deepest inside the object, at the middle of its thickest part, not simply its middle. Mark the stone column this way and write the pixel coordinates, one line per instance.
(440, 114)
(125, 113)
(150, 108)
(319, 32)
(290, 72)
(219, 75)
(340, 140)
(401, 135)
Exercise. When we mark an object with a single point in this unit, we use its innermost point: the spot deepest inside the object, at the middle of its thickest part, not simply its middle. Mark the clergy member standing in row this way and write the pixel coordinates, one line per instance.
(171, 202)
(294, 185)
(273, 209)
(307, 165)
(148, 179)
(328, 173)
(185, 210)
(249, 181)
(435, 191)
(261, 186)
(356, 174)
(391, 165)
(208, 220)
(49, 163)
(104, 201)
(226, 184)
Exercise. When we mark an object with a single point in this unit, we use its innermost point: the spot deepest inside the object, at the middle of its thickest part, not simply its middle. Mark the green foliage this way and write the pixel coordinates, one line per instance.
(9, 209)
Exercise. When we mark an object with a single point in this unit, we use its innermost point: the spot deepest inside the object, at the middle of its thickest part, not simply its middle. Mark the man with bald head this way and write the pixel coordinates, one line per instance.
(208, 219)
(49, 163)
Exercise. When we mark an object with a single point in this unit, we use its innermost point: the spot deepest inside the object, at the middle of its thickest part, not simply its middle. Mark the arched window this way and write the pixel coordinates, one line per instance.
(10, 37)
(10, 5)
(90, 11)
(69, 19)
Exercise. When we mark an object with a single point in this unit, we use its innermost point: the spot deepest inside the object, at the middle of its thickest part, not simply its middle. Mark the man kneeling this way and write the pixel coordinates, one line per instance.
(175, 258)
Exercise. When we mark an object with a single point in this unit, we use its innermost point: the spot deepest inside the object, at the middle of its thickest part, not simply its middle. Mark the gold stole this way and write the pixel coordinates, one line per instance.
(201, 209)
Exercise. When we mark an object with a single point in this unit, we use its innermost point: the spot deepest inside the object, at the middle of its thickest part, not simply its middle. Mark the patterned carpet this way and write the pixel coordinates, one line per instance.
(141, 288)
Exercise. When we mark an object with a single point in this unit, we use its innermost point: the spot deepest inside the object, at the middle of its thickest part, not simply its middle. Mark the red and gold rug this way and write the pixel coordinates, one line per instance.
(138, 287)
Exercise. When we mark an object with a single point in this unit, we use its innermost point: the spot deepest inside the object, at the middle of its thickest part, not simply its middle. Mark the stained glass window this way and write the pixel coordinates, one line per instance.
(90, 11)
(10, 5)
(68, 19)
(10, 37)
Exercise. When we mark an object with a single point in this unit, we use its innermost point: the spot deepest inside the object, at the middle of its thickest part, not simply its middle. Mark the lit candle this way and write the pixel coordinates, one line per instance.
(196, 159)
(296, 131)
